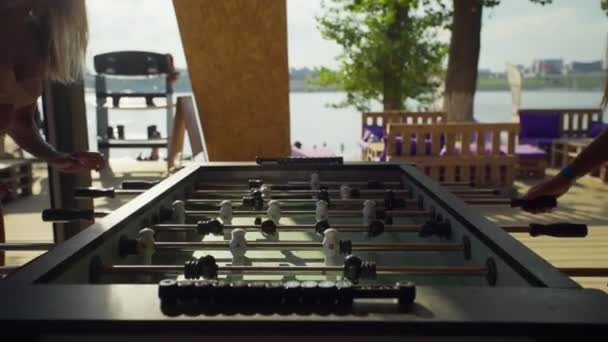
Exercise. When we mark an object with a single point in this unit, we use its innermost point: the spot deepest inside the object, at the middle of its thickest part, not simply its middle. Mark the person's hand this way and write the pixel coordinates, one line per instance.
(554, 187)
(79, 162)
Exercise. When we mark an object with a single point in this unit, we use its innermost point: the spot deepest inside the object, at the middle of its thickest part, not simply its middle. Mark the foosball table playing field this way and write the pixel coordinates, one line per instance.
(301, 248)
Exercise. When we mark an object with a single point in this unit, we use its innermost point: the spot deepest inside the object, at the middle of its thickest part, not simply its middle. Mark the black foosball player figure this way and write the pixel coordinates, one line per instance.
(41, 41)
(592, 157)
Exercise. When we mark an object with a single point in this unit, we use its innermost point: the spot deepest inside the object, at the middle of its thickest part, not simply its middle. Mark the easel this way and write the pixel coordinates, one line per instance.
(185, 120)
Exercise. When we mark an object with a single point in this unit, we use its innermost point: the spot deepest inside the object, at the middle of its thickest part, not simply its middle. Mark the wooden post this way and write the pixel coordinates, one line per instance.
(237, 59)
(66, 129)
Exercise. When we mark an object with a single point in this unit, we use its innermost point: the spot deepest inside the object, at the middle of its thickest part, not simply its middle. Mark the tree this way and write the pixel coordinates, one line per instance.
(390, 51)
(461, 78)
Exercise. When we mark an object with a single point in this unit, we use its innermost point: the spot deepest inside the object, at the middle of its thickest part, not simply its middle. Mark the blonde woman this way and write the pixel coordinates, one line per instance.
(41, 40)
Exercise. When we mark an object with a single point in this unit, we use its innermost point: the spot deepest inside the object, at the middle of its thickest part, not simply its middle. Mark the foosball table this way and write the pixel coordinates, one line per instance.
(296, 247)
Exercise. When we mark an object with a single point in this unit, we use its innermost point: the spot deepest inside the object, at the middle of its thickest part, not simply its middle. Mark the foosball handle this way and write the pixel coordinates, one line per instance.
(138, 185)
(564, 230)
(62, 215)
(94, 193)
(544, 202)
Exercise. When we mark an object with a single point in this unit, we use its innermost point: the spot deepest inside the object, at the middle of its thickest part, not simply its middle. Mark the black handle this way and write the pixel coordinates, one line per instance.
(138, 185)
(565, 230)
(63, 215)
(94, 192)
(544, 202)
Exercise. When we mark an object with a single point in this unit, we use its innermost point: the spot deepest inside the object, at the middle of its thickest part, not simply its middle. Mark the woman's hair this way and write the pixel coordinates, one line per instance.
(64, 32)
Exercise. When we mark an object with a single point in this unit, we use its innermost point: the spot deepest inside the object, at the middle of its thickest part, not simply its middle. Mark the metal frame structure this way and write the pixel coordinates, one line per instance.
(553, 304)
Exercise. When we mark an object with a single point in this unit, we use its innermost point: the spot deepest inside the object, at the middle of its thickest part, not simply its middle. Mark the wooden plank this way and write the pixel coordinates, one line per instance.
(466, 144)
(176, 145)
(185, 120)
(495, 142)
(511, 143)
(237, 58)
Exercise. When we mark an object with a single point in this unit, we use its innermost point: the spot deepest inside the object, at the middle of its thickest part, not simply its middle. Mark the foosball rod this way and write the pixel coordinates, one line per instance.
(299, 202)
(256, 183)
(60, 215)
(353, 269)
(289, 195)
(562, 230)
(344, 246)
(375, 228)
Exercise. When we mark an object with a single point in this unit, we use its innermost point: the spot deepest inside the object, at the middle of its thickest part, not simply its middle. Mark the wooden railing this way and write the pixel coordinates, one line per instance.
(382, 119)
(447, 153)
(574, 123)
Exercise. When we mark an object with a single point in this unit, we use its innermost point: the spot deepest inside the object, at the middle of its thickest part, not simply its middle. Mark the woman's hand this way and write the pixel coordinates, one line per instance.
(79, 162)
(554, 187)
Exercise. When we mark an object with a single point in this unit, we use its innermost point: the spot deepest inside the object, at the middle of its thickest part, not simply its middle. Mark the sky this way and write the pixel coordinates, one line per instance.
(516, 31)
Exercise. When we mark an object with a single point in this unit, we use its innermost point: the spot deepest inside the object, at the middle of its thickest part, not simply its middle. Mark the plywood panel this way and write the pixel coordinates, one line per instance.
(237, 59)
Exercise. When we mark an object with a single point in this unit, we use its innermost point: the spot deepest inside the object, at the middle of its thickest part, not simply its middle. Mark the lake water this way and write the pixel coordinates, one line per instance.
(314, 123)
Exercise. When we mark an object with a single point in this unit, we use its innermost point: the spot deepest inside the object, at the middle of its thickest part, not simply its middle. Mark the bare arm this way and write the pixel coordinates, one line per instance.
(25, 133)
(590, 158)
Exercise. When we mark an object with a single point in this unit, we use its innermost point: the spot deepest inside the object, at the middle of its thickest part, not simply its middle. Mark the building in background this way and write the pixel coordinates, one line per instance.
(544, 67)
(585, 67)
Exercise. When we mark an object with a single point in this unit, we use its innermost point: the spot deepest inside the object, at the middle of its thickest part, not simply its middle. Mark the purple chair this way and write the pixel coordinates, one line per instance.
(539, 128)
(596, 128)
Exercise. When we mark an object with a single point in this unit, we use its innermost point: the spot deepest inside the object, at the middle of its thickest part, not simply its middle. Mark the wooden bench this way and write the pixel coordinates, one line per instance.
(482, 153)
(377, 122)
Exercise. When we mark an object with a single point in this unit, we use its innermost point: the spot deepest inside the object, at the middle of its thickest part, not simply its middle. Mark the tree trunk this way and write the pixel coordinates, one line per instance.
(461, 80)
(392, 95)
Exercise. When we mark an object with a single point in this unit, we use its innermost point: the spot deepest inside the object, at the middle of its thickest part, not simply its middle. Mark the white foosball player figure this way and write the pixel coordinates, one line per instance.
(226, 212)
(274, 211)
(266, 191)
(315, 182)
(238, 246)
(345, 191)
(331, 247)
(322, 211)
(146, 245)
(369, 212)
(179, 212)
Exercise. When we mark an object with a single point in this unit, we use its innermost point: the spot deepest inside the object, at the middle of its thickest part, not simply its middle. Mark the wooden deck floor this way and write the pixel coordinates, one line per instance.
(586, 203)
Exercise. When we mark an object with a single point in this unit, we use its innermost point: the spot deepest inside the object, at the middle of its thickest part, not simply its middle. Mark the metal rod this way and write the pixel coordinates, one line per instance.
(295, 201)
(323, 270)
(310, 245)
(411, 228)
(338, 213)
(396, 228)
(601, 272)
(294, 192)
(238, 184)
(26, 246)
(490, 200)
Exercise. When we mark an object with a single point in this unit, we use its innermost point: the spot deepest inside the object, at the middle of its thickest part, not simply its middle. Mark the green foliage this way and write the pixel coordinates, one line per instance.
(604, 5)
(383, 39)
